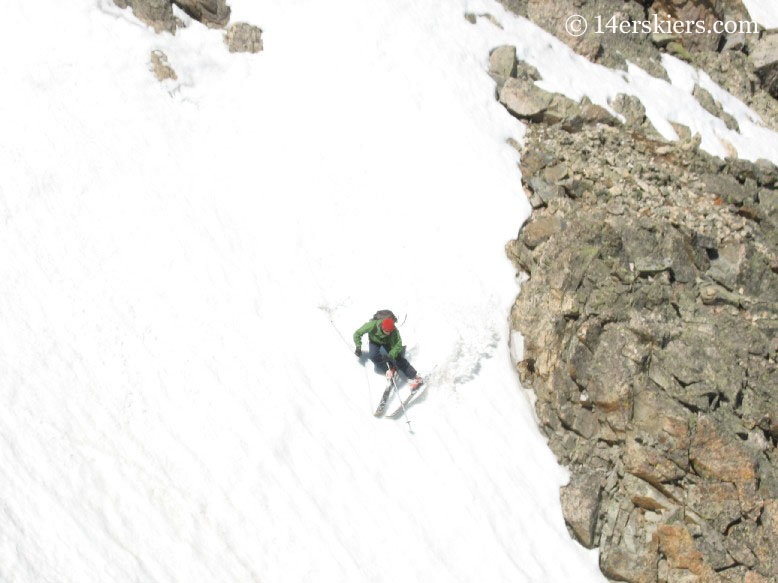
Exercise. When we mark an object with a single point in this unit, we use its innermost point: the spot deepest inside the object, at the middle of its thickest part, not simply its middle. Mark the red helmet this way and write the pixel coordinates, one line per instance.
(387, 325)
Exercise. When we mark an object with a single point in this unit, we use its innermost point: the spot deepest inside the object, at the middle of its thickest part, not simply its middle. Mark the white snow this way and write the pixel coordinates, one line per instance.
(765, 12)
(183, 267)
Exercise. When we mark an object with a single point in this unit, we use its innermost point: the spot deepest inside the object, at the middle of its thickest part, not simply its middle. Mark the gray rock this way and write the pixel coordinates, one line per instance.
(159, 13)
(622, 564)
(544, 190)
(538, 231)
(715, 502)
(631, 108)
(243, 38)
(212, 13)
(161, 68)
(649, 462)
(516, 6)
(595, 114)
(502, 63)
(644, 495)
(728, 264)
(717, 455)
(524, 100)
(714, 295)
(766, 173)
(735, 42)
(156, 13)
(677, 49)
(651, 331)
(581, 505)
(713, 107)
(706, 100)
(565, 110)
(713, 546)
(764, 57)
(729, 189)
(526, 72)
(768, 200)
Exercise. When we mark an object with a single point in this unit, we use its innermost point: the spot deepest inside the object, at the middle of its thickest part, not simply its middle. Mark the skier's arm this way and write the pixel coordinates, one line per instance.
(397, 345)
(364, 329)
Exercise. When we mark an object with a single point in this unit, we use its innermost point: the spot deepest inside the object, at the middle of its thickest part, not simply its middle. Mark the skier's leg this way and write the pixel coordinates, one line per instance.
(405, 366)
(378, 358)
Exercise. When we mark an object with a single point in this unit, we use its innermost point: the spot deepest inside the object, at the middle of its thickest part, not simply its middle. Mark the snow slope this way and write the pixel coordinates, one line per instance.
(184, 265)
(765, 12)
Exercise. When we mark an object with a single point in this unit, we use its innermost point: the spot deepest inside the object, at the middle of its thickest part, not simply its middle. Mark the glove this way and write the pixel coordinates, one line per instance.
(390, 373)
(358, 351)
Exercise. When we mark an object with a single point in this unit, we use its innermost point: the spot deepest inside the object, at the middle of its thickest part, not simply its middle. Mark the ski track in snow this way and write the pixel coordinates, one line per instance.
(184, 264)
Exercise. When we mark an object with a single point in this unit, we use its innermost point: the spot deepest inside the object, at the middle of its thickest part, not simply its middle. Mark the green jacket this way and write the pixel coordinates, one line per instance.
(392, 341)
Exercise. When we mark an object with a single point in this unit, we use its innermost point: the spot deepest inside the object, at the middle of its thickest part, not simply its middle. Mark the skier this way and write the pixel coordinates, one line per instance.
(386, 349)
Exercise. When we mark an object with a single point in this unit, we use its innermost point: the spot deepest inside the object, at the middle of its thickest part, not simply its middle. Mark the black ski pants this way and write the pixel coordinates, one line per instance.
(380, 359)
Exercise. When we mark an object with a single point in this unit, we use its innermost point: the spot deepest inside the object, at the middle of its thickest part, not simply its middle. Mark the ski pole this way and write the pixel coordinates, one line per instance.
(405, 413)
(332, 323)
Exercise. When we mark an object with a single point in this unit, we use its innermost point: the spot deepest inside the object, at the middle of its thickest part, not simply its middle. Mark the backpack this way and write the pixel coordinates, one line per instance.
(384, 314)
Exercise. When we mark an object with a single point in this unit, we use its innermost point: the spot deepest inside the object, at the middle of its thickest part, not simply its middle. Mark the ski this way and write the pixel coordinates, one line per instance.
(409, 400)
(384, 399)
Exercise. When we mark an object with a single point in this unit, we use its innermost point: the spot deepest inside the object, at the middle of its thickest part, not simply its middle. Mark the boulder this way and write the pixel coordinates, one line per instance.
(161, 68)
(156, 13)
(525, 100)
(677, 545)
(764, 57)
(622, 564)
(581, 505)
(243, 38)
(716, 455)
(538, 231)
(212, 13)
(502, 64)
(159, 13)
(644, 495)
(716, 502)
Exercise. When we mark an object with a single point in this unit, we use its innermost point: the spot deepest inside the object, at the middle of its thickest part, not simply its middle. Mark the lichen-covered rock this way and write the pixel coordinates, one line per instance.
(502, 64)
(212, 13)
(161, 68)
(581, 504)
(156, 13)
(243, 38)
(159, 13)
(677, 546)
(650, 325)
(716, 454)
(764, 56)
(713, 107)
(525, 100)
(724, 56)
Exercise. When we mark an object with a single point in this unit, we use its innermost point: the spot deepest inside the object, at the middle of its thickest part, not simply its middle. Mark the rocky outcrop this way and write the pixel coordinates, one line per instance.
(598, 43)
(650, 324)
(156, 13)
(159, 13)
(764, 57)
(212, 13)
(705, 14)
(742, 61)
(520, 95)
(239, 38)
